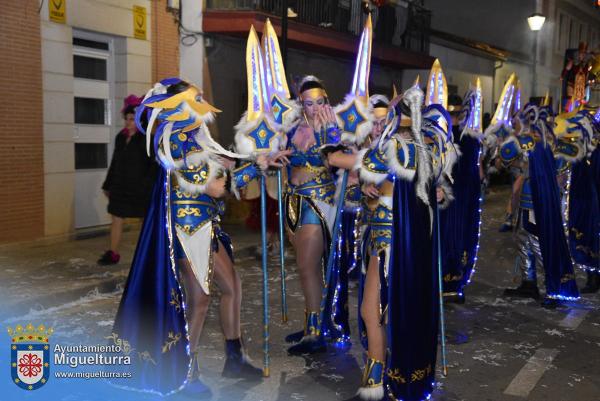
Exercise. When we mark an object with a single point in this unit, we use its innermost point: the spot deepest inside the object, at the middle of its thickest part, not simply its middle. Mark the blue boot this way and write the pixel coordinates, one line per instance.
(372, 381)
(313, 341)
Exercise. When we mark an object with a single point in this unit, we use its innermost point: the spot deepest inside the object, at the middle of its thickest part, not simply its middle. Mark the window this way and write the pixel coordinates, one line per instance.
(89, 67)
(92, 44)
(90, 111)
(90, 156)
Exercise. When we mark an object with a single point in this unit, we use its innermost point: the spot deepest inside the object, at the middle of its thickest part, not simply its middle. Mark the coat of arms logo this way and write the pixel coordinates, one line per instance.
(30, 355)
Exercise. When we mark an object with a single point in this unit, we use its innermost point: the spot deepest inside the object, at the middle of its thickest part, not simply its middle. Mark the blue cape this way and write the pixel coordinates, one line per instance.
(151, 313)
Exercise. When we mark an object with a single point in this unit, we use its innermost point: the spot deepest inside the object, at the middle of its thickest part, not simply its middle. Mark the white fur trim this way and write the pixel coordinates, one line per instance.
(374, 99)
(448, 192)
(245, 145)
(359, 159)
(206, 141)
(151, 122)
(364, 129)
(391, 152)
(515, 141)
(472, 133)
(371, 393)
(292, 117)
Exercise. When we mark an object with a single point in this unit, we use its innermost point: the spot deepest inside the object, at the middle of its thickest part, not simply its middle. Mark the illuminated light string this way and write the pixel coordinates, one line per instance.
(167, 206)
(476, 253)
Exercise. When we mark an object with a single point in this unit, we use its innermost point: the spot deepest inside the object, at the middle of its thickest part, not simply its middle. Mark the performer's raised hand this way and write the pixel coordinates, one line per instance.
(329, 116)
(279, 159)
(370, 190)
(440, 195)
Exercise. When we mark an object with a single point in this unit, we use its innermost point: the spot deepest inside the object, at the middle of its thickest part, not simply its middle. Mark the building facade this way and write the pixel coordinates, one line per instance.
(66, 70)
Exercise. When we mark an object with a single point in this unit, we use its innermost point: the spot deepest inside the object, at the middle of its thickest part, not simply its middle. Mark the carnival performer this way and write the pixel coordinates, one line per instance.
(593, 278)
(460, 221)
(312, 215)
(541, 240)
(401, 283)
(575, 147)
(370, 192)
(309, 204)
(182, 250)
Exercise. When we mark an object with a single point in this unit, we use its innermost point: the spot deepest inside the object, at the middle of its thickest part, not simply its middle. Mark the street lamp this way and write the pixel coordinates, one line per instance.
(535, 21)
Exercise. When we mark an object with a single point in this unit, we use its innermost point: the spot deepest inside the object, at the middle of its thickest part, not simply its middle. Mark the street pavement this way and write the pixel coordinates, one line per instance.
(499, 349)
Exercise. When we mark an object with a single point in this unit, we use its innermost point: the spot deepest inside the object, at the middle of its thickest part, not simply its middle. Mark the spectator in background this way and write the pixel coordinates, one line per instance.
(129, 179)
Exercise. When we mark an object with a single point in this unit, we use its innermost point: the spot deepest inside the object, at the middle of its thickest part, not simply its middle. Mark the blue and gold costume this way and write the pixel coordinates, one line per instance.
(401, 166)
(182, 222)
(574, 148)
(540, 235)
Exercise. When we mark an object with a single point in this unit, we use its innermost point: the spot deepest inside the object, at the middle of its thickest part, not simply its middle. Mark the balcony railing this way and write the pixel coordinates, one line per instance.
(399, 23)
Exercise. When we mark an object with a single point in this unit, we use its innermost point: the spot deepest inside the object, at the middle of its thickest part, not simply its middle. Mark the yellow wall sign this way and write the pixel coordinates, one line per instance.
(57, 11)
(139, 22)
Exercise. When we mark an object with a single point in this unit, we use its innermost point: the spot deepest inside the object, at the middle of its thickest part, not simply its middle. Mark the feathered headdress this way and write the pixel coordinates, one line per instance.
(175, 106)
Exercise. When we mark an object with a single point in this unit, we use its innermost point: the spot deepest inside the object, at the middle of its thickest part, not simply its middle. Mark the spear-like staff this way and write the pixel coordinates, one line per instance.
(256, 134)
(355, 123)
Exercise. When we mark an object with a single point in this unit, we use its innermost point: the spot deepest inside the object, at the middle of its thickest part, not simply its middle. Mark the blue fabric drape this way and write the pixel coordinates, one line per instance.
(584, 215)
(412, 330)
(151, 317)
(336, 325)
(560, 280)
(460, 220)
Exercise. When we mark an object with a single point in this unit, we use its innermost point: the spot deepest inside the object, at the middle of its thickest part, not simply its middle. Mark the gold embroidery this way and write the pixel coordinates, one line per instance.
(124, 344)
(172, 339)
(578, 234)
(175, 301)
(420, 374)
(396, 376)
(188, 211)
(146, 357)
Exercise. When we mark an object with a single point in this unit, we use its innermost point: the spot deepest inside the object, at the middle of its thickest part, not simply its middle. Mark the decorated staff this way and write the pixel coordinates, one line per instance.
(285, 113)
(355, 121)
(256, 135)
(437, 133)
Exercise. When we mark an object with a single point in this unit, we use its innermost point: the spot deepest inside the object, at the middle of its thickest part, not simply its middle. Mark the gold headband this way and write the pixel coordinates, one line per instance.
(380, 112)
(313, 93)
(405, 121)
(452, 108)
